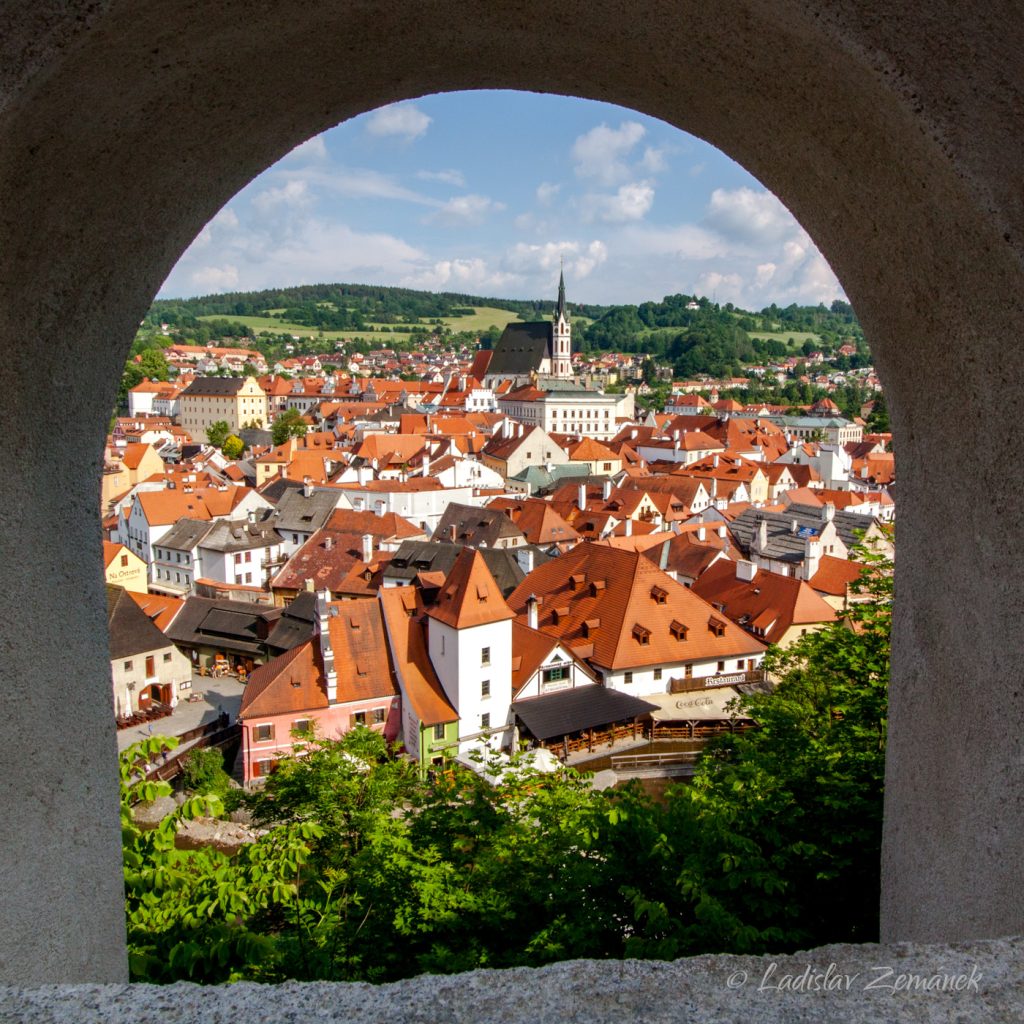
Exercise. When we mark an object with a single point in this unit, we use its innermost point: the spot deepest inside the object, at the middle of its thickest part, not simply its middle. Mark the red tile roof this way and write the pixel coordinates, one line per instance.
(470, 597)
(405, 625)
(615, 588)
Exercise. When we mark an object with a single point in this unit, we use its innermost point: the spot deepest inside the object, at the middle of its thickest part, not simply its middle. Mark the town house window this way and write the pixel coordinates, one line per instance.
(485, 720)
(485, 656)
(263, 733)
(439, 732)
(485, 688)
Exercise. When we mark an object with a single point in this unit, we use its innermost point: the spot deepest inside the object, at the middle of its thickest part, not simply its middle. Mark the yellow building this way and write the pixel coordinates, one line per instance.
(235, 400)
(124, 568)
(132, 465)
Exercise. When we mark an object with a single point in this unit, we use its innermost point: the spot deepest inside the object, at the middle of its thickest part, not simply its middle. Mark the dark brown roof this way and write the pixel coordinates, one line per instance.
(214, 386)
(582, 707)
(521, 348)
(131, 630)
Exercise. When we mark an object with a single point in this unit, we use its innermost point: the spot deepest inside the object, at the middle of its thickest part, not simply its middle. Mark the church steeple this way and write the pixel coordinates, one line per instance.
(561, 335)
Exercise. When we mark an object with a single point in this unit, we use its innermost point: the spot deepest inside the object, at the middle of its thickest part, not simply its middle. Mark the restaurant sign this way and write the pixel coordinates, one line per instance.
(736, 677)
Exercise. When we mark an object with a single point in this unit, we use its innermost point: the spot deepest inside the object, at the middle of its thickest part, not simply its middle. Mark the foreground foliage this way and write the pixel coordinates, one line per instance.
(368, 873)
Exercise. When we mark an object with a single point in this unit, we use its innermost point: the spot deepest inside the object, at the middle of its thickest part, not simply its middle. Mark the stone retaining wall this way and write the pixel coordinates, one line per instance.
(981, 981)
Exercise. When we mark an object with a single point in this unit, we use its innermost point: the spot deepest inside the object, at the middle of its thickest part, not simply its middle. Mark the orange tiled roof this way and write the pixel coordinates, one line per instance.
(160, 608)
(133, 454)
(470, 597)
(834, 575)
(360, 650)
(289, 683)
(600, 599)
(769, 603)
(401, 608)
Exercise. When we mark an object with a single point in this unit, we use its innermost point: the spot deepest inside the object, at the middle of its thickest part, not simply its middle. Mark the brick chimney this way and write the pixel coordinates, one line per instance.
(531, 611)
(745, 570)
(581, 497)
(367, 548)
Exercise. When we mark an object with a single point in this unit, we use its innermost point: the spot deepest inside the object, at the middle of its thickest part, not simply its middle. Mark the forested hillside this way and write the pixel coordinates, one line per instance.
(691, 334)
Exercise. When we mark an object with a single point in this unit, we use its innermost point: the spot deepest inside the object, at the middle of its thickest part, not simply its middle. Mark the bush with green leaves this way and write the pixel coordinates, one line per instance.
(202, 772)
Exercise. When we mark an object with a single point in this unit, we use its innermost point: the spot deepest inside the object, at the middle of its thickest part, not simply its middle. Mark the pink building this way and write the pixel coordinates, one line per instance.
(339, 679)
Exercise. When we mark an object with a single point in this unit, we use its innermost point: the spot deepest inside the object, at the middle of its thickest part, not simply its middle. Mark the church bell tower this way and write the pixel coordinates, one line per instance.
(561, 339)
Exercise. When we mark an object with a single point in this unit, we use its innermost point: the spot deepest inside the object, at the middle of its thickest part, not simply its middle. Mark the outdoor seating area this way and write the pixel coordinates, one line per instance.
(153, 713)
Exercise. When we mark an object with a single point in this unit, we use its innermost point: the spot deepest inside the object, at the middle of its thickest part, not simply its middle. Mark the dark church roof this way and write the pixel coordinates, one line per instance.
(521, 348)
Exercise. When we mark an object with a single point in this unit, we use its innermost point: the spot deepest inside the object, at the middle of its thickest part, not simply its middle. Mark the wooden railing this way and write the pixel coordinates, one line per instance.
(676, 762)
(211, 735)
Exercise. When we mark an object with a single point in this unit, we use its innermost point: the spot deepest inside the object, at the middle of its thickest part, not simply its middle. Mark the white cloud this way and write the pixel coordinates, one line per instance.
(532, 261)
(722, 287)
(293, 194)
(591, 257)
(314, 149)
(630, 202)
(226, 218)
(468, 209)
(653, 160)
(449, 177)
(459, 274)
(359, 183)
(402, 119)
(546, 192)
(749, 216)
(215, 279)
(601, 153)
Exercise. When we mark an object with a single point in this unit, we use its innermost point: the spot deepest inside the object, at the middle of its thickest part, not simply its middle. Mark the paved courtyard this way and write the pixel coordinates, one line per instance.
(218, 695)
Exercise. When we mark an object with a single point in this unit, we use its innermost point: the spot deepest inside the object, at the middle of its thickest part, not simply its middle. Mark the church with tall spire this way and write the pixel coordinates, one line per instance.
(532, 351)
(561, 336)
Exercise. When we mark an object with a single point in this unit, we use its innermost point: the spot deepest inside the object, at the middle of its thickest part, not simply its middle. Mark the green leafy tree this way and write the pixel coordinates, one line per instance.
(153, 364)
(789, 815)
(289, 424)
(217, 433)
(198, 914)
(233, 447)
(203, 773)
(878, 420)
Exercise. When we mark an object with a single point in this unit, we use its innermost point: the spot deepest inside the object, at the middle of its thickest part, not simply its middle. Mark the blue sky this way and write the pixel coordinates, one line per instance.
(486, 192)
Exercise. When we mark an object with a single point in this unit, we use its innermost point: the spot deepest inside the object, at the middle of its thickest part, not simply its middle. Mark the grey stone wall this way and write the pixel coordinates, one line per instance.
(832, 985)
(893, 133)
